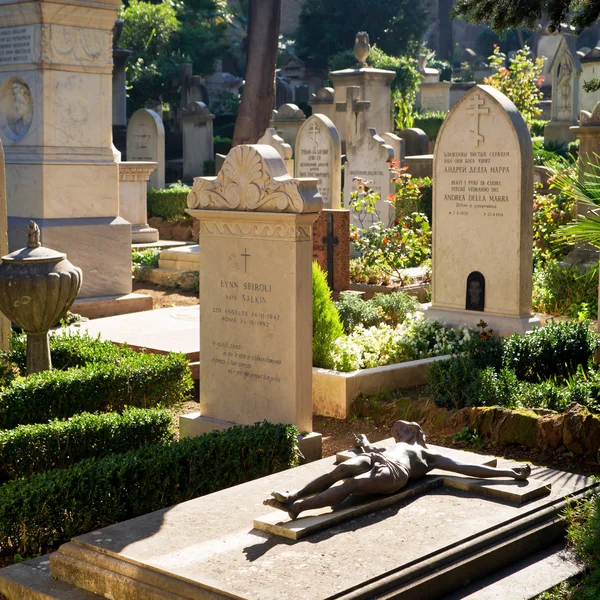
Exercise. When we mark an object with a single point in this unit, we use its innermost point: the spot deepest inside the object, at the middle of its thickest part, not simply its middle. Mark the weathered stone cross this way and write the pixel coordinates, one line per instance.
(314, 131)
(476, 108)
(355, 110)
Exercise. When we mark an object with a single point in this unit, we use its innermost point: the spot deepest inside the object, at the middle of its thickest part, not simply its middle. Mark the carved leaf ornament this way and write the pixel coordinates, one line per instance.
(587, 118)
(254, 178)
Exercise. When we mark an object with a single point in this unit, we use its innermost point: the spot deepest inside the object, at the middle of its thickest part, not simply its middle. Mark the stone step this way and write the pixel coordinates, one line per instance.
(183, 258)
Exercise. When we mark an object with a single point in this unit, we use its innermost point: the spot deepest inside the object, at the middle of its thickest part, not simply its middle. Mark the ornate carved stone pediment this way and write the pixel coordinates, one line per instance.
(254, 178)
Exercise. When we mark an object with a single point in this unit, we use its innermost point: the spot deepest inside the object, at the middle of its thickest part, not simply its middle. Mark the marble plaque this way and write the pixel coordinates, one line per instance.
(16, 44)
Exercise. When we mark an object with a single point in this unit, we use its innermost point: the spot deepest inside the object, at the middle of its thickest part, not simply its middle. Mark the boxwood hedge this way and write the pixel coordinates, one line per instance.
(42, 511)
(30, 449)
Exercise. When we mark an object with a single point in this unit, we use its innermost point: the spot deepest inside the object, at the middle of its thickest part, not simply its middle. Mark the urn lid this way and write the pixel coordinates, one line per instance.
(34, 252)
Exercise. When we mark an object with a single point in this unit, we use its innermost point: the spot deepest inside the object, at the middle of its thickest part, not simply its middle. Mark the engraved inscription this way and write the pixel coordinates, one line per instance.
(478, 183)
(16, 44)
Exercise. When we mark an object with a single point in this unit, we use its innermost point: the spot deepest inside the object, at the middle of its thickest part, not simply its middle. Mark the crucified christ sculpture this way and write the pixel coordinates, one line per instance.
(379, 470)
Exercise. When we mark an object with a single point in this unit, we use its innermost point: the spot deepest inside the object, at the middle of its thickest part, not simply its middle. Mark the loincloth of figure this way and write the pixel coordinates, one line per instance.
(385, 464)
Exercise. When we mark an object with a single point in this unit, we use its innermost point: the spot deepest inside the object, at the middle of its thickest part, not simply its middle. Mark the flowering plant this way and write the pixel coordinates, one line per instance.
(520, 81)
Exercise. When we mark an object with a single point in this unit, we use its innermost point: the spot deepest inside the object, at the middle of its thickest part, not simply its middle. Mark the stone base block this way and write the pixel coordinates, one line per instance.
(559, 131)
(502, 325)
(143, 234)
(419, 166)
(110, 306)
(311, 446)
(100, 246)
(185, 258)
(194, 424)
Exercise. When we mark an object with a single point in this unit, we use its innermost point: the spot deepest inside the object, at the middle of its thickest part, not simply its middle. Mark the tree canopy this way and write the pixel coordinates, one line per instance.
(503, 14)
(165, 33)
(329, 26)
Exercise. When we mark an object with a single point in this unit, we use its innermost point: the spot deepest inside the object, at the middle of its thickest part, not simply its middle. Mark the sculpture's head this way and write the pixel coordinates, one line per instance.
(409, 432)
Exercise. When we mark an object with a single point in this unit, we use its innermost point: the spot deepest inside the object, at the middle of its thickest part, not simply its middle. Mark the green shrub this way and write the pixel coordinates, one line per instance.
(209, 168)
(565, 289)
(170, 203)
(30, 449)
(138, 380)
(430, 123)
(147, 258)
(537, 127)
(42, 511)
(327, 326)
(454, 383)
(222, 144)
(426, 201)
(553, 351)
(354, 311)
(395, 306)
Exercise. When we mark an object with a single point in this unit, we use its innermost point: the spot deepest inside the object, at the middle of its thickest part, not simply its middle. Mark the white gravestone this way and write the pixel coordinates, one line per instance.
(146, 143)
(287, 120)
(273, 139)
(255, 291)
(482, 239)
(398, 145)
(319, 154)
(369, 159)
(198, 139)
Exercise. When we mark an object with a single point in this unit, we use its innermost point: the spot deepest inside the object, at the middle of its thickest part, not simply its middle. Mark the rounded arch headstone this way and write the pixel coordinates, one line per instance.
(319, 154)
(483, 190)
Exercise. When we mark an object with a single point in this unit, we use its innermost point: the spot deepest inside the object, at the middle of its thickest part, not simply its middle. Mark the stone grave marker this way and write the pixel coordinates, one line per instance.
(322, 102)
(287, 120)
(482, 241)
(331, 247)
(273, 139)
(415, 140)
(198, 145)
(146, 143)
(566, 71)
(255, 291)
(319, 154)
(397, 143)
(369, 160)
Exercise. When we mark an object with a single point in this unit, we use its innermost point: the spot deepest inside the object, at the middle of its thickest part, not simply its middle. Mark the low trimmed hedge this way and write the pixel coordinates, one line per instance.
(45, 510)
(169, 203)
(429, 122)
(30, 449)
(137, 380)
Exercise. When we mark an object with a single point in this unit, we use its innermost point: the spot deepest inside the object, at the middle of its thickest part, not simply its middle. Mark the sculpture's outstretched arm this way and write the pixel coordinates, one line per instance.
(362, 443)
(439, 461)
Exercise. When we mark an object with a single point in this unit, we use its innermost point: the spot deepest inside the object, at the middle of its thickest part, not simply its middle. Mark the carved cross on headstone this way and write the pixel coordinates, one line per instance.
(355, 110)
(330, 241)
(314, 131)
(476, 108)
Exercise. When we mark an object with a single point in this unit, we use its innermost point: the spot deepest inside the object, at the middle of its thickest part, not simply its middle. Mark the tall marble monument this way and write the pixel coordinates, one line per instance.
(56, 124)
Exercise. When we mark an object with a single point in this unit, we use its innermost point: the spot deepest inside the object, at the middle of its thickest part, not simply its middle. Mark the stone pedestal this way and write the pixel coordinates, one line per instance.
(374, 87)
(198, 145)
(55, 124)
(255, 290)
(133, 183)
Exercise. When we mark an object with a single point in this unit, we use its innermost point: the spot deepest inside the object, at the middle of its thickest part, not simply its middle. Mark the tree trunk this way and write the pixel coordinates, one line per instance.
(259, 90)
